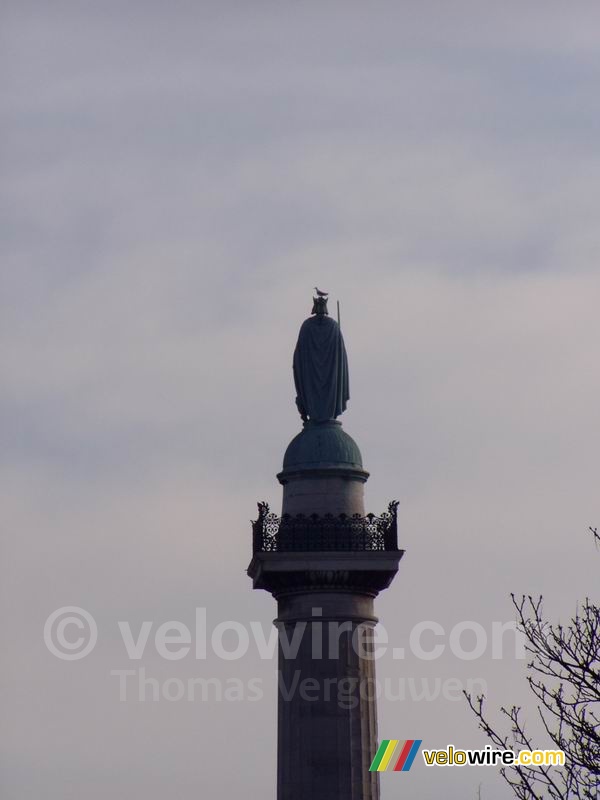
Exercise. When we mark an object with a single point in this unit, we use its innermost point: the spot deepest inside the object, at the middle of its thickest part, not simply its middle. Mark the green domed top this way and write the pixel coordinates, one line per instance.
(322, 445)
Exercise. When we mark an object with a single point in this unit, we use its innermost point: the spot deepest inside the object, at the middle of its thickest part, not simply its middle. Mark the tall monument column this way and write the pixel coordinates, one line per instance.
(324, 561)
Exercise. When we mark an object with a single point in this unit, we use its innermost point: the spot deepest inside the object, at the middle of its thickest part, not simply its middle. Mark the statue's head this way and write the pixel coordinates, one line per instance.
(320, 306)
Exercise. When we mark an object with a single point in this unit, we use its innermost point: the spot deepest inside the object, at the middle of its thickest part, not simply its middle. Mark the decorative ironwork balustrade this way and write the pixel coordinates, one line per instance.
(300, 533)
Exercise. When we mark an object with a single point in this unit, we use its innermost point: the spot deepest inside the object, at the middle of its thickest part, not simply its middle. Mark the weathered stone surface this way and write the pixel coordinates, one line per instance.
(324, 495)
(327, 735)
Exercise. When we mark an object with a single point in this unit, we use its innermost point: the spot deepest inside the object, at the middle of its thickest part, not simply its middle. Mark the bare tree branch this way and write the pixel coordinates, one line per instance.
(564, 677)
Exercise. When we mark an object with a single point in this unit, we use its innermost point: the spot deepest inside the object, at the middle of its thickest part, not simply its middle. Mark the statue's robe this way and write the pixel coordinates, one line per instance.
(321, 369)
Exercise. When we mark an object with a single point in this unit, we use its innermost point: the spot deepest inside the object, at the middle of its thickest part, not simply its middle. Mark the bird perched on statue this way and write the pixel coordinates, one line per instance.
(320, 293)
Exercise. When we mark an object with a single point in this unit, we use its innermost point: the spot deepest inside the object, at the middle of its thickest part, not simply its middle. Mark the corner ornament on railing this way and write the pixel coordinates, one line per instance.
(301, 533)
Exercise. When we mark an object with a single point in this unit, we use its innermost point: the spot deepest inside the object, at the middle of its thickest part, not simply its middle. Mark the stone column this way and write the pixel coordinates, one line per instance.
(327, 716)
(324, 562)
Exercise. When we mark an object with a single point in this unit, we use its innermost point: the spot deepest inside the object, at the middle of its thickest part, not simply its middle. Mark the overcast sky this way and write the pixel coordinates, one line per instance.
(176, 178)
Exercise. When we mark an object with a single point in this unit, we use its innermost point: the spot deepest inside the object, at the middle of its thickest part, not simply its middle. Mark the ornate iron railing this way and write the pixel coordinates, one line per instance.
(300, 533)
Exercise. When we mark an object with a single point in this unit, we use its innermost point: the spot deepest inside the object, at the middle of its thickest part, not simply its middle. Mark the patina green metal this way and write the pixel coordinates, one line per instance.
(321, 446)
(321, 367)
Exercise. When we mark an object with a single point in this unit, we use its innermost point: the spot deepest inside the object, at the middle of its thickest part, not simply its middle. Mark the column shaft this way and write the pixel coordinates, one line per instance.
(327, 714)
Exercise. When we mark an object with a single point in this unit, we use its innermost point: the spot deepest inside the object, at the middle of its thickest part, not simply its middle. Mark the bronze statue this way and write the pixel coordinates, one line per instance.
(320, 366)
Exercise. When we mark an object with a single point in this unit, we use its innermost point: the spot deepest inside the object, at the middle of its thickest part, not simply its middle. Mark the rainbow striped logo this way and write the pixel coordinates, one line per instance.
(393, 751)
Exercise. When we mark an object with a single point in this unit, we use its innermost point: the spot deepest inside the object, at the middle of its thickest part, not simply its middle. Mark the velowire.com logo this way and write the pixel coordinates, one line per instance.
(393, 751)
(397, 756)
